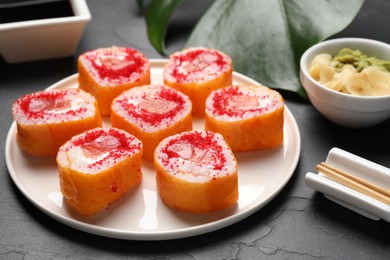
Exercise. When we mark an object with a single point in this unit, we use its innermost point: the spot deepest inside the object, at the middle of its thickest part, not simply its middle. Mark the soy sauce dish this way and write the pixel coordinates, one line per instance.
(33, 30)
(345, 109)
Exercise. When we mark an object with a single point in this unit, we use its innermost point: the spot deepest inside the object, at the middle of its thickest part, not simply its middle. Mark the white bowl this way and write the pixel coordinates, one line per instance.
(345, 109)
(44, 38)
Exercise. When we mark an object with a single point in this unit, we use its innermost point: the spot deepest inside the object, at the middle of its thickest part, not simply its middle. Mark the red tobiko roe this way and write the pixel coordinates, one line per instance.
(132, 63)
(51, 99)
(222, 98)
(122, 146)
(155, 118)
(195, 139)
(190, 57)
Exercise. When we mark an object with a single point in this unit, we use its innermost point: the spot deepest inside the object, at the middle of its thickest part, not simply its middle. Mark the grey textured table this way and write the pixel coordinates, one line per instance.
(297, 224)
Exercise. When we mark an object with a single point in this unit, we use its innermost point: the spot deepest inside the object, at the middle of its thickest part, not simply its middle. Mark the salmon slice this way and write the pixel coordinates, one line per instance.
(46, 119)
(98, 167)
(198, 71)
(107, 72)
(248, 117)
(196, 172)
(151, 113)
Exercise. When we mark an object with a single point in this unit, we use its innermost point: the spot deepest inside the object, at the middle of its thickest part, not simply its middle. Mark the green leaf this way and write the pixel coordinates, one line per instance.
(157, 15)
(140, 4)
(266, 38)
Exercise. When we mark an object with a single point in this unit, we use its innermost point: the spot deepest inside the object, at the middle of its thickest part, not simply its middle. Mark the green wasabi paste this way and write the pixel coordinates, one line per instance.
(359, 60)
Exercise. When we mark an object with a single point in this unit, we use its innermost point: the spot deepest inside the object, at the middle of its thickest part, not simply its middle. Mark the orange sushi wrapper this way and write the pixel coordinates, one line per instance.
(248, 117)
(98, 167)
(196, 172)
(47, 119)
(151, 113)
(198, 71)
(107, 72)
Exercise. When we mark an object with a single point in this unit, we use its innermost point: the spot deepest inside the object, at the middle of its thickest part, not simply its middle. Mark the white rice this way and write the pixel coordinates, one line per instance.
(136, 96)
(119, 54)
(75, 157)
(193, 170)
(50, 113)
(209, 68)
(265, 102)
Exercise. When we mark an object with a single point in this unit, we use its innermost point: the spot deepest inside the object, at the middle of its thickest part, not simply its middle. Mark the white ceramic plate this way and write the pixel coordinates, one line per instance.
(141, 215)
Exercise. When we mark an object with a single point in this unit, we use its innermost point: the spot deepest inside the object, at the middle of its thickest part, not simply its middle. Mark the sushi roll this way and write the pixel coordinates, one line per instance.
(46, 119)
(248, 117)
(98, 167)
(107, 72)
(196, 172)
(198, 71)
(151, 113)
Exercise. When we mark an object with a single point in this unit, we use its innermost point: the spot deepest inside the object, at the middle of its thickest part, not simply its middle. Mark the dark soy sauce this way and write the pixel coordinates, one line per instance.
(26, 10)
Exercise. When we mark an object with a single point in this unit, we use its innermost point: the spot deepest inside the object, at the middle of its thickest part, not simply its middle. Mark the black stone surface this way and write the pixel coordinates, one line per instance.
(297, 224)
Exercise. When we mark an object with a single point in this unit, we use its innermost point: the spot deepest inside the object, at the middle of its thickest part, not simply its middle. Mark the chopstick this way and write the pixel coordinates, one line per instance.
(355, 183)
